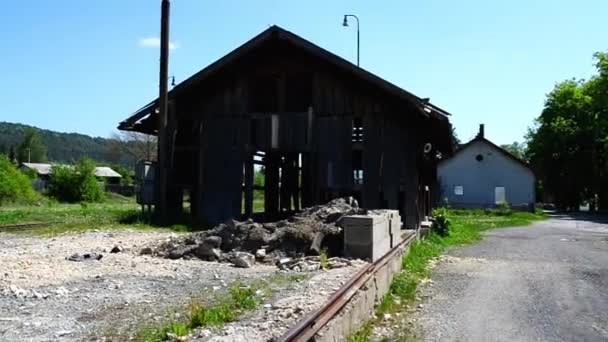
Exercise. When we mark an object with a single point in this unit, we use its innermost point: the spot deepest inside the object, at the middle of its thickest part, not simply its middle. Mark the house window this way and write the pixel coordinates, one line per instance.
(500, 196)
(458, 190)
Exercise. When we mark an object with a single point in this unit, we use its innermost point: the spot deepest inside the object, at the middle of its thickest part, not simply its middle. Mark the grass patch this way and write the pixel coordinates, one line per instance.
(466, 227)
(116, 212)
(222, 309)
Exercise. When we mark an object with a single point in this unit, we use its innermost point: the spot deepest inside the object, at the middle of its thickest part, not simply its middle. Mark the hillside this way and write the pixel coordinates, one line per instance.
(61, 147)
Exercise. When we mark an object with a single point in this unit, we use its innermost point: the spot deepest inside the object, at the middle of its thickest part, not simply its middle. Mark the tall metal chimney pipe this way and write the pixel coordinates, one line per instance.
(481, 131)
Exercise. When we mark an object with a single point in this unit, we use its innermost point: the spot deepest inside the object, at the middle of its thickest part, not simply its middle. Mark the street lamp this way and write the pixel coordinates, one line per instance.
(345, 24)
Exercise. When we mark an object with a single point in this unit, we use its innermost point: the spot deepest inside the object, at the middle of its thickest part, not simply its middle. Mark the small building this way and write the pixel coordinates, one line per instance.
(481, 174)
(43, 170)
(320, 127)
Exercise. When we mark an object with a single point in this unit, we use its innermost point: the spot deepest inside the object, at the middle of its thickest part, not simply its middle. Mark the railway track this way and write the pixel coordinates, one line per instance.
(306, 328)
(25, 226)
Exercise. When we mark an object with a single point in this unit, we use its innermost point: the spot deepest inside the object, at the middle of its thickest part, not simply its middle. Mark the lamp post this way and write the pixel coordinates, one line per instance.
(345, 24)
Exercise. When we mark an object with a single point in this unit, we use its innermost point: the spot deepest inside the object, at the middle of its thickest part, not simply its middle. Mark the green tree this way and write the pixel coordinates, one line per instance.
(568, 147)
(75, 183)
(31, 149)
(516, 149)
(12, 155)
(126, 173)
(14, 186)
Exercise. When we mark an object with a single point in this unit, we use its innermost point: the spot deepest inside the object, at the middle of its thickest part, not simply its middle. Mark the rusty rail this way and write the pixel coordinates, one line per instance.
(306, 328)
(25, 226)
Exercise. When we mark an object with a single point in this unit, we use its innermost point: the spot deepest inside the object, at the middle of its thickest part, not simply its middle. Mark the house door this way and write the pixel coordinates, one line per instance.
(499, 195)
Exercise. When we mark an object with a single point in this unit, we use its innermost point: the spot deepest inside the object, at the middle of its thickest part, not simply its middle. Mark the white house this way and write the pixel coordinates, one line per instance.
(481, 174)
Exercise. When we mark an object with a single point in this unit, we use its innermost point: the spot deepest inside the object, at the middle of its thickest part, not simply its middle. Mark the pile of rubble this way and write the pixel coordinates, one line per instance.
(285, 242)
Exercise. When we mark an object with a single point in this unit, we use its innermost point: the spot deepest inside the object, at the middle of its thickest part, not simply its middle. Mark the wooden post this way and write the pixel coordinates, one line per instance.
(161, 201)
(249, 179)
(271, 185)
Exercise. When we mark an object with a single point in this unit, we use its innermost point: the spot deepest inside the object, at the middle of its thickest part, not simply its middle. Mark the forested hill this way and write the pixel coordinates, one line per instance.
(61, 147)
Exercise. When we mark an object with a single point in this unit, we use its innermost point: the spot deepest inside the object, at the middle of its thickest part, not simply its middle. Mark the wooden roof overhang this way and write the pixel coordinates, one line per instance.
(144, 120)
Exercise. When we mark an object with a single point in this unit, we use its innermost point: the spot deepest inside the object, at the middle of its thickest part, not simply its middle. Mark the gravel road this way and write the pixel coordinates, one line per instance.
(546, 282)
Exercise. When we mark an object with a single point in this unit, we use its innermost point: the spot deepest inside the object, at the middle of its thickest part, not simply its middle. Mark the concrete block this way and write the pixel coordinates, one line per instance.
(362, 230)
(371, 251)
(395, 231)
(363, 220)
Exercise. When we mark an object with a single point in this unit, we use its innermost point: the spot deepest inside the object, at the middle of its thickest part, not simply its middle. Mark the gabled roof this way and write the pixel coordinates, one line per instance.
(46, 169)
(278, 33)
(493, 145)
(104, 171)
(40, 168)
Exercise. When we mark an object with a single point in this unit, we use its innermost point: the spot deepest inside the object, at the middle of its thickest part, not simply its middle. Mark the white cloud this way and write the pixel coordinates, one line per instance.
(154, 42)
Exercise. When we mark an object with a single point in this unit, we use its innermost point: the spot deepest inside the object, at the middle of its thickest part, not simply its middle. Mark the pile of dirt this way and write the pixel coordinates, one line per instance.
(306, 233)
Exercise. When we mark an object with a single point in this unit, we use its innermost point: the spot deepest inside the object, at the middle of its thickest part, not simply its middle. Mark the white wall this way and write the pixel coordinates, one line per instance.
(480, 178)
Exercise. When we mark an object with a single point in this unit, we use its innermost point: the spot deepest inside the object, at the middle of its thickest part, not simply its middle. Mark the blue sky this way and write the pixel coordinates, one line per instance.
(83, 66)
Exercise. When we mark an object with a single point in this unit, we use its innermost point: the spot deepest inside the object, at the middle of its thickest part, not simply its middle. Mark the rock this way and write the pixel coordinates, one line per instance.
(206, 251)
(39, 295)
(18, 292)
(387, 316)
(336, 264)
(62, 291)
(315, 246)
(281, 263)
(213, 241)
(243, 259)
(180, 252)
(260, 254)
(116, 249)
(84, 257)
(146, 251)
(271, 227)
(62, 333)
(333, 217)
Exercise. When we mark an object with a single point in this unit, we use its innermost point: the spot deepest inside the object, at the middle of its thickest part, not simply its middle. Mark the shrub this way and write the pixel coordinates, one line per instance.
(503, 209)
(441, 221)
(75, 183)
(14, 185)
(127, 175)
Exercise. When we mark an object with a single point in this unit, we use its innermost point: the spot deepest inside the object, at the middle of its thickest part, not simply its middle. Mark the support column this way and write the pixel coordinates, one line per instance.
(249, 178)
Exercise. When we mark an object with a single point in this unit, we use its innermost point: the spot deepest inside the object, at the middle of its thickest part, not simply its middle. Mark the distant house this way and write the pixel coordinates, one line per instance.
(481, 174)
(44, 170)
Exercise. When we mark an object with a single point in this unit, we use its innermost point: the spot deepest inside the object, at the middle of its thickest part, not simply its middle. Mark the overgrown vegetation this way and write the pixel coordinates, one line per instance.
(75, 184)
(466, 227)
(224, 308)
(15, 187)
(568, 147)
(441, 223)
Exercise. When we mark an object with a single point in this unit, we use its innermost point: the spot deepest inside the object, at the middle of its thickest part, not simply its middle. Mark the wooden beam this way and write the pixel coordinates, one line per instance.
(249, 179)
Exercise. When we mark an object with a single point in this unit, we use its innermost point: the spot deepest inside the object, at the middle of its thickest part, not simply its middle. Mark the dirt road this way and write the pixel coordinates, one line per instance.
(546, 282)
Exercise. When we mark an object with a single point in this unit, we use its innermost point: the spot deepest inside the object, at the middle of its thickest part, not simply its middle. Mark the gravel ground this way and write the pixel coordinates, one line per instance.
(290, 303)
(546, 282)
(44, 297)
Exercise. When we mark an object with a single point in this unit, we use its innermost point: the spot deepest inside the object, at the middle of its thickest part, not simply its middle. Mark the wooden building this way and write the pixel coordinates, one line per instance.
(320, 126)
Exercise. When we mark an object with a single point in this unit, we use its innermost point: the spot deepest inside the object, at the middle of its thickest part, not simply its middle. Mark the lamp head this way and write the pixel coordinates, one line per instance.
(173, 81)
(345, 22)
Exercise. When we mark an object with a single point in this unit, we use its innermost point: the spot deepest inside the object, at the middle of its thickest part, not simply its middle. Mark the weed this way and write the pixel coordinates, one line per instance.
(225, 308)
(324, 259)
(178, 329)
(441, 222)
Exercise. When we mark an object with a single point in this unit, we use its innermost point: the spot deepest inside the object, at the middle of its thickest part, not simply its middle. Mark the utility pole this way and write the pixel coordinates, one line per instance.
(162, 174)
